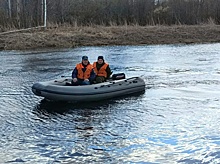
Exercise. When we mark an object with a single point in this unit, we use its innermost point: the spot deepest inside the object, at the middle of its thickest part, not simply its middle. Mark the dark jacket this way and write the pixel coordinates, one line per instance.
(108, 70)
(92, 74)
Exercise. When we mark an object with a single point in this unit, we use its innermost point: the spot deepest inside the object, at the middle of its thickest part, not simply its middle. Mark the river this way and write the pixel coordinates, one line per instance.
(176, 120)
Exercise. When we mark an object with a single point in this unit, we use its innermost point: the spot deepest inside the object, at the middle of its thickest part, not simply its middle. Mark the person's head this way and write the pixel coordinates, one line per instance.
(85, 60)
(100, 59)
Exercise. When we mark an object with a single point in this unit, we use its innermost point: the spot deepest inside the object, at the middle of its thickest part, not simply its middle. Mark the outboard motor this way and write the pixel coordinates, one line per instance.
(118, 76)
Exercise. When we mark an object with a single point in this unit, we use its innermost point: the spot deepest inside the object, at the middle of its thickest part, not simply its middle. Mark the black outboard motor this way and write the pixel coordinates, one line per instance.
(118, 76)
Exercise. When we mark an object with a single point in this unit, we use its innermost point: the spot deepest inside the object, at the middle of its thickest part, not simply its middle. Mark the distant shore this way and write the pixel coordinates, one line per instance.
(70, 37)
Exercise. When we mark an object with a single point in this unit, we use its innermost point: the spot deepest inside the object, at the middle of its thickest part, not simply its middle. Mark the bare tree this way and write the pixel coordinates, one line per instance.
(29, 13)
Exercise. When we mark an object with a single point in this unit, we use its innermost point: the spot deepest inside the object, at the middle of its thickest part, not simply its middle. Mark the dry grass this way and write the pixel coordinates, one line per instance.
(67, 36)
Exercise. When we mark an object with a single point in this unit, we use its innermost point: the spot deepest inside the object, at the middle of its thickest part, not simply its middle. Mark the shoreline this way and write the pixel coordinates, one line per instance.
(71, 37)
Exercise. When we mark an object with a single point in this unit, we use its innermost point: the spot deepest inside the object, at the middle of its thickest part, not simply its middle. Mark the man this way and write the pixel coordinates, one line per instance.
(83, 73)
(102, 70)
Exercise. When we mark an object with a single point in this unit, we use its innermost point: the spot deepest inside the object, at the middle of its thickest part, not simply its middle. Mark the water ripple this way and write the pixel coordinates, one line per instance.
(176, 120)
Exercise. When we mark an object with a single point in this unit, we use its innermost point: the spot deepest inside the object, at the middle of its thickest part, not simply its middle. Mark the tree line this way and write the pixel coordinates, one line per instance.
(29, 13)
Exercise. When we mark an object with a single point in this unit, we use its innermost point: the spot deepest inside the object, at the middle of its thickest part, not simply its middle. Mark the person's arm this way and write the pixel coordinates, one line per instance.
(109, 72)
(92, 76)
(74, 73)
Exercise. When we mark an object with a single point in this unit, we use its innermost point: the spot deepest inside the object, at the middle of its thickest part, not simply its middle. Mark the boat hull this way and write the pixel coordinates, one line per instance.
(57, 90)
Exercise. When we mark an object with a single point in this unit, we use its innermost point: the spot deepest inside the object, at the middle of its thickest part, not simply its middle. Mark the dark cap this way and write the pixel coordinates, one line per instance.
(101, 57)
(85, 58)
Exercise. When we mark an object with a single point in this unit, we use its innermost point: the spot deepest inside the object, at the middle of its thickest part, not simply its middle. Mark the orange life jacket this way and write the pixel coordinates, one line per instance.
(83, 75)
(102, 70)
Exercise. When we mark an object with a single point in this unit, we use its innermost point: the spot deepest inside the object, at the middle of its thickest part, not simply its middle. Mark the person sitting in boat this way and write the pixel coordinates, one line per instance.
(102, 70)
(83, 73)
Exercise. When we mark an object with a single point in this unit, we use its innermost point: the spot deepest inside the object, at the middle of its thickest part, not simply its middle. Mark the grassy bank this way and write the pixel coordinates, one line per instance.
(68, 37)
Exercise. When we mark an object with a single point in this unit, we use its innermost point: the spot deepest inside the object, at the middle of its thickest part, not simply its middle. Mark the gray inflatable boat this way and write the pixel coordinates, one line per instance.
(57, 90)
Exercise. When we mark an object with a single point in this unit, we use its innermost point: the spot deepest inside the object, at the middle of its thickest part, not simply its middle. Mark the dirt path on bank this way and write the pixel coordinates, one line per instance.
(69, 37)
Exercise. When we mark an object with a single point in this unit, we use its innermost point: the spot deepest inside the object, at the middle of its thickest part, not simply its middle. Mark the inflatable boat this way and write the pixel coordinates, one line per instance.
(58, 90)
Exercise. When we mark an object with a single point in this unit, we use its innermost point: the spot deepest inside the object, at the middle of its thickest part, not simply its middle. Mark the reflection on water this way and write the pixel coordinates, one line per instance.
(65, 107)
(176, 120)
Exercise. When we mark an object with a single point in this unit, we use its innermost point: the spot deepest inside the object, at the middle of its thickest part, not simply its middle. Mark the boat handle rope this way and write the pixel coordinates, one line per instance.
(131, 78)
(60, 81)
(111, 83)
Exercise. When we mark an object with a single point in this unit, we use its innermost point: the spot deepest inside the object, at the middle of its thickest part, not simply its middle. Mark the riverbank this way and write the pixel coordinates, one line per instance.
(70, 37)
